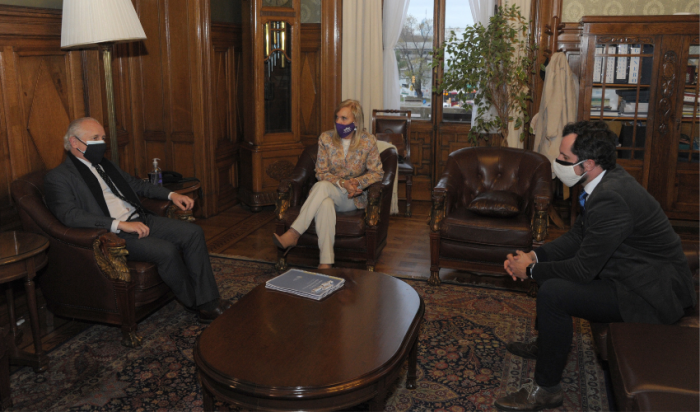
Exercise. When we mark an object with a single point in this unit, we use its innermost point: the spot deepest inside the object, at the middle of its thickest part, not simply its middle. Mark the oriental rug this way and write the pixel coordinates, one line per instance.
(463, 364)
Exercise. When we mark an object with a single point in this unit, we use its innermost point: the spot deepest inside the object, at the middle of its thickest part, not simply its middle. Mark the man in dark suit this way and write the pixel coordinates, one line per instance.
(88, 191)
(621, 262)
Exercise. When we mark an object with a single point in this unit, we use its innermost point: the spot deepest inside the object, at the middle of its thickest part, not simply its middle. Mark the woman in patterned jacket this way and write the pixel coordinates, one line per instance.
(348, 163)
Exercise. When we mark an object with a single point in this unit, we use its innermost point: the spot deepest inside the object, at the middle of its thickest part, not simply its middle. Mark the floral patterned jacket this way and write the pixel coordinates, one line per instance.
(362, 163)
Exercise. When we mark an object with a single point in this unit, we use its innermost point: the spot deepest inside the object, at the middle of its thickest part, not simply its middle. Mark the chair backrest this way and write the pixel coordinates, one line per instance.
(28, 195)
(393, 123)
(482, 169)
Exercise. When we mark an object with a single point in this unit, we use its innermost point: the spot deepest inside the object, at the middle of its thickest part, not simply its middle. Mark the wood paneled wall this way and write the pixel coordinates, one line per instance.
(41, 91)
(228, 121)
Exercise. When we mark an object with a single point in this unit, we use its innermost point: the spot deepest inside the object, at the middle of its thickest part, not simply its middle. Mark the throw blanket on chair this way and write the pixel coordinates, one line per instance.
(382, 146)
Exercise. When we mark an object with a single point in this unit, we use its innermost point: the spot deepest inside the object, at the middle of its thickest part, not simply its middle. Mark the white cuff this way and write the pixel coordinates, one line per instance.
(113, 228)
(169, 195)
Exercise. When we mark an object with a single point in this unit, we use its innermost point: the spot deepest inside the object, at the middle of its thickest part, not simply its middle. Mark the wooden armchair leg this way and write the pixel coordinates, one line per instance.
(409, 189)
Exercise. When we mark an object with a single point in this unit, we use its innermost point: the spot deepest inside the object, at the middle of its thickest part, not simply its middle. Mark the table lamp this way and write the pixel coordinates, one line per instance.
(101, 23)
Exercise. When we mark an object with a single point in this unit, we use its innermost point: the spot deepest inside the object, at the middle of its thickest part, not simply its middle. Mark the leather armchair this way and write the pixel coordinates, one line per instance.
(88, 276)
(359, 235)
(469, 229)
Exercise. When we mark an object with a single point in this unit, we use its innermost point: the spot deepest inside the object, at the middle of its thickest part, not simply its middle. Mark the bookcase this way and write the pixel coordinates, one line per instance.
(640, 75)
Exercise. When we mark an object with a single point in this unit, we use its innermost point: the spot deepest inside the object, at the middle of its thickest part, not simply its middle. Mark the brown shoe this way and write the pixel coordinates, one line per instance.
(527, 350)
(531, 397)
(208, 316)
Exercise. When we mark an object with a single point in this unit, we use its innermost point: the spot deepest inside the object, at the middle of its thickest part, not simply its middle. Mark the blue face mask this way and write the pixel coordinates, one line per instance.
(344, 130)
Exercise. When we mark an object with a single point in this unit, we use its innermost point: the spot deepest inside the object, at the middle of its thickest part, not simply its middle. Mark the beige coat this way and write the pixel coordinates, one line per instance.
(558, 106)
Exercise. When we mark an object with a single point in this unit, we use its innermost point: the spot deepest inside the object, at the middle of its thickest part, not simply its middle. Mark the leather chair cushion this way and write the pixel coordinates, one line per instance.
(405, 168)
(450, 249)
(496, 203)
(652, 358)
(469, 227)
(347, 224)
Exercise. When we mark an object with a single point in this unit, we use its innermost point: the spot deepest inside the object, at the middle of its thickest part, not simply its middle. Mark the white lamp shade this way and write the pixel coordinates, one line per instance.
(89, 22)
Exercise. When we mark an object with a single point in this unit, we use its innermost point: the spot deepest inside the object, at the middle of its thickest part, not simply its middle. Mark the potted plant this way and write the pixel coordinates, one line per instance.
(493, 64)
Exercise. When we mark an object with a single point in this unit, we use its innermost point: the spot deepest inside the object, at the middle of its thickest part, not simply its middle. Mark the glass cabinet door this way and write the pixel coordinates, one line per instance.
(686, 192)
(620, 93)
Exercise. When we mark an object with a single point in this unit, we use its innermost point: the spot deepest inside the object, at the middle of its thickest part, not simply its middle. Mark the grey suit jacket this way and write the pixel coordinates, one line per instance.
(70, 200)
(624, 238)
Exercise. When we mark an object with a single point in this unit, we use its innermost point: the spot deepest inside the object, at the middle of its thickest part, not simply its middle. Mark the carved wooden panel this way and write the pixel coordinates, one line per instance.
(41, 91)
(228, 124)
(171, 86)
(311, 122)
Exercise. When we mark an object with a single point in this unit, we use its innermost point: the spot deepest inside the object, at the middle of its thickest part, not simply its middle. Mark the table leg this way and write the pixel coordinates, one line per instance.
(412, 374)
(207, 396)
(378, 403)
(41, 358)
(10, 296)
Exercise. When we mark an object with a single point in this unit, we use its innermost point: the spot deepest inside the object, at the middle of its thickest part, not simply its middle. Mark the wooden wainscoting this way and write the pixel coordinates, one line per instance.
(228, 122)
(41, 90)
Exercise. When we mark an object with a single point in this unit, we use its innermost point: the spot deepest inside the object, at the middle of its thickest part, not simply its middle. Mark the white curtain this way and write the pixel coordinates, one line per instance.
(482, 10)
(394, 17)
(363, 66)
(514, 135)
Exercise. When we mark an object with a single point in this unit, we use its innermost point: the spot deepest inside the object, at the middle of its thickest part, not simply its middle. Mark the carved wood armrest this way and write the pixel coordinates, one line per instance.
(437, 211)
(176, 213)
(374, 204)
(540, 219)
(283, 198)
(110, 253)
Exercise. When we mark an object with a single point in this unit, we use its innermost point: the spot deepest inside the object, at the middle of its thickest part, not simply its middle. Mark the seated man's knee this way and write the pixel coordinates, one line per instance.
(328, 203)
(551, 290)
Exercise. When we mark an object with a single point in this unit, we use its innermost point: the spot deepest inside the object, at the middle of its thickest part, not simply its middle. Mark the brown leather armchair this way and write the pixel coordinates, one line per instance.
(394, 126)
(489, 202)
(359, 235)
(88, 276)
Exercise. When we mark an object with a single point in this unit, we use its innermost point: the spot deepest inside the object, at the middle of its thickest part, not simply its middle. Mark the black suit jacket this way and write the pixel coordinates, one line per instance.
(70, 200)
(624, 238)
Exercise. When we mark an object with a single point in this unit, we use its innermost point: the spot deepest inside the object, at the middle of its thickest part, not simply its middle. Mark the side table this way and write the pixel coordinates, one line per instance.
(21, 255)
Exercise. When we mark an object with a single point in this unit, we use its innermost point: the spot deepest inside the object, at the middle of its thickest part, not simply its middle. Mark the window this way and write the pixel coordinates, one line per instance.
(414, 52)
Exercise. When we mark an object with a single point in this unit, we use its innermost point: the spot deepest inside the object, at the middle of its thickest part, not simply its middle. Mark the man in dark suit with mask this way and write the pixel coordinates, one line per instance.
(88, 191)
(620, 262)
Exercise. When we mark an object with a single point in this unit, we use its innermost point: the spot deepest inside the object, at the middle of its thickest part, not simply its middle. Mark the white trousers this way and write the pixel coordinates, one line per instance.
(324, 200)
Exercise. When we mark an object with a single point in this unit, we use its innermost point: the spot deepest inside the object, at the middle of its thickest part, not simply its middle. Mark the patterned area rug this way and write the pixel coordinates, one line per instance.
(463, 364)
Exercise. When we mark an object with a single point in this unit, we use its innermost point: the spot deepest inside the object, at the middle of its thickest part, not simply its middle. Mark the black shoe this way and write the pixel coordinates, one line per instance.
(208, 316)
(531, 397)
(527, 350)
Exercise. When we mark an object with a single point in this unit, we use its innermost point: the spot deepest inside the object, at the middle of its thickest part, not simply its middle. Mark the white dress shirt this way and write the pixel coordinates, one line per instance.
(118, 209)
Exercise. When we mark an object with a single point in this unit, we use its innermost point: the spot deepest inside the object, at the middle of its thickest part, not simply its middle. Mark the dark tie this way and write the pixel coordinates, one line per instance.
(582, 201)
(137, 208)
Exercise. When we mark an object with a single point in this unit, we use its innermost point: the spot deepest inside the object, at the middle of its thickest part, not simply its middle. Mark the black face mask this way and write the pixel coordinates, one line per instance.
(95, 151)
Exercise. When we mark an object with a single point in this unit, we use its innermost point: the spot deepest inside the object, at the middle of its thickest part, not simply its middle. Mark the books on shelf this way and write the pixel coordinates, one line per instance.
(622, 68)
(598, 64)
(305, 284)
(606, 113)
(629, 108)
(610, 65)
(691, 98)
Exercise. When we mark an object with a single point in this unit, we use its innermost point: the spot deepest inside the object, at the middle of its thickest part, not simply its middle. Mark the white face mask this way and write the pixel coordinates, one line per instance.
(566, 173)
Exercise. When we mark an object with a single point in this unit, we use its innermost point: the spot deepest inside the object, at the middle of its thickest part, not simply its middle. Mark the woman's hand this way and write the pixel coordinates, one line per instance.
(352, 186)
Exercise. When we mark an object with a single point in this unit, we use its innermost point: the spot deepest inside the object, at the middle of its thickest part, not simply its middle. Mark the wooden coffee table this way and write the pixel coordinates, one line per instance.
(273, 350)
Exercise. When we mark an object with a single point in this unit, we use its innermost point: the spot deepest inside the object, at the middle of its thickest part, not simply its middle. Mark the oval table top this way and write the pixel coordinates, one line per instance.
(275, 344)
(17, 246)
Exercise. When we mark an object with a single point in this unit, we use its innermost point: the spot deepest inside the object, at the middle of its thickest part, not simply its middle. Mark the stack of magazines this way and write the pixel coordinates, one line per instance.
(306, 284)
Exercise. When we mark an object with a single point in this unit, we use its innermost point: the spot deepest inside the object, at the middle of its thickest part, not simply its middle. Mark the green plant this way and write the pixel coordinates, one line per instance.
(495, 62)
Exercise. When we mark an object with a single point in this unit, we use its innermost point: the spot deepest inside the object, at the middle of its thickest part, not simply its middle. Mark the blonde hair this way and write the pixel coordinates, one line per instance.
(356, 109)
(73, 130)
